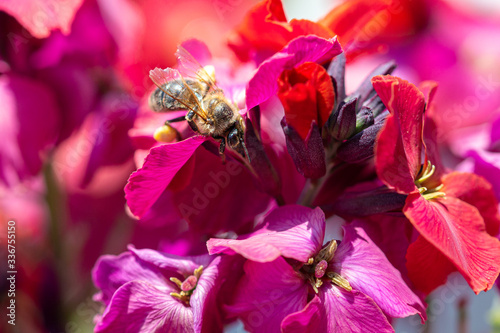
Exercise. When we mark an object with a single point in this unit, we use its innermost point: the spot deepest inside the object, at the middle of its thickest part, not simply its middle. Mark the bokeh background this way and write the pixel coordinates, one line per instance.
(74, 76)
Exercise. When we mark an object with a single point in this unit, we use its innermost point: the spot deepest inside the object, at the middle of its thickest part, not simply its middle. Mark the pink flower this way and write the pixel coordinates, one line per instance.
(145, 291)
(294, 283)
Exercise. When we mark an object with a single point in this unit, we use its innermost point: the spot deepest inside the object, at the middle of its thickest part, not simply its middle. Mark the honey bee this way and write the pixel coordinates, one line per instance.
(209, 112)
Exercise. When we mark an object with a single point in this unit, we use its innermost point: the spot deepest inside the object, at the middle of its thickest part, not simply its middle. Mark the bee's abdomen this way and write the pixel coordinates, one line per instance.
(174, 95)
(160, 101)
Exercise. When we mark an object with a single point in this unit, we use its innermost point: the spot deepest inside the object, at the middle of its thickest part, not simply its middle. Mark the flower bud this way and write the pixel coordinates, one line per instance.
(309, 154)
(364, 119)
(342, 123)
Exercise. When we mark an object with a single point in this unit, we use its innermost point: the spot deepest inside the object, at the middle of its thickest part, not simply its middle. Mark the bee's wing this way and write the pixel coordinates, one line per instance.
(189, 66)
(161, 76)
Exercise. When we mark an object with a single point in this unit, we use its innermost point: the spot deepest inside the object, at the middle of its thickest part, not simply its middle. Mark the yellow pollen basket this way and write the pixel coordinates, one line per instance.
(165, 133)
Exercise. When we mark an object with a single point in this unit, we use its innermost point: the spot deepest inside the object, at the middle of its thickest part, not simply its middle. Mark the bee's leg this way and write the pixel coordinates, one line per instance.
(222, 148)
(189, 117)
(175, 120)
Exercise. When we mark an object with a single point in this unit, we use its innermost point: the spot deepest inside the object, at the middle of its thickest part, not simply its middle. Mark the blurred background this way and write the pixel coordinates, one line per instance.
(74, 77)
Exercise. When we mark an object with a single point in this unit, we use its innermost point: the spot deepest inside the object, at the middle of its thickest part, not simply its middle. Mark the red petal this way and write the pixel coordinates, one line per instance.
(352, 22)
(266, 30)
(428, 88)
(365, 26)
(428, 268)
(40, 17)
(457, 230)
(432, 154)
(431, 135)
(399, 145)
(307, 95)
(478, 192)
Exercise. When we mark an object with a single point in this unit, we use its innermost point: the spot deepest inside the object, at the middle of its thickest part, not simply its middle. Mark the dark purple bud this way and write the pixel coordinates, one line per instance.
(337, 71)
(267, 179)
(365, 89)
(342, 123)
(308, 155)
(360, 147)
(364, 118)
(375, 104)
(359, 201)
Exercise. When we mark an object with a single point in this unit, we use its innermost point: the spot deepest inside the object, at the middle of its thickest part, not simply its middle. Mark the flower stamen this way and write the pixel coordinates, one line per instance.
(339, 280)
(427, 173)
(187, 286)
(315, 270)
(424, 175)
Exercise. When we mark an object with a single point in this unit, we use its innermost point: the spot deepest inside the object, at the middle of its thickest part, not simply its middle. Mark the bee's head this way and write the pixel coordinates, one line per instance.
(236, 141)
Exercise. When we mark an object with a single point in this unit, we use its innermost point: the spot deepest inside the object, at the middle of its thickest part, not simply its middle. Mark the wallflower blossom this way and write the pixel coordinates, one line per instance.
(446, 208)
(145, 291)
(293, 282)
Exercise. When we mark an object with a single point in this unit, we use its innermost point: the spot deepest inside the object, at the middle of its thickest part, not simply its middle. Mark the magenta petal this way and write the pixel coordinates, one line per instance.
(28, 128)
(184, 265)
(146, 185)
(267, 293)
(367, 269)
(487, 164)
(111, 272)
(311, 319)
(203, 300)
(198, 50)
(291, 231)
(40, 17)
(352, 312)
(304, 48)
(139, 306)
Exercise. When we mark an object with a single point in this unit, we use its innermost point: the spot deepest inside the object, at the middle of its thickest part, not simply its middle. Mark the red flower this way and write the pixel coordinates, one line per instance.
(362, 26)
(366, 26)
(307, 95)
(266, 30)
(449, 210)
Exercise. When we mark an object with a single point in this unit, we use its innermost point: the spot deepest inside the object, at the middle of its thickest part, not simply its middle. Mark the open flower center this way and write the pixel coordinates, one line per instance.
(316, 270)
(426, 172)
(186, 287)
